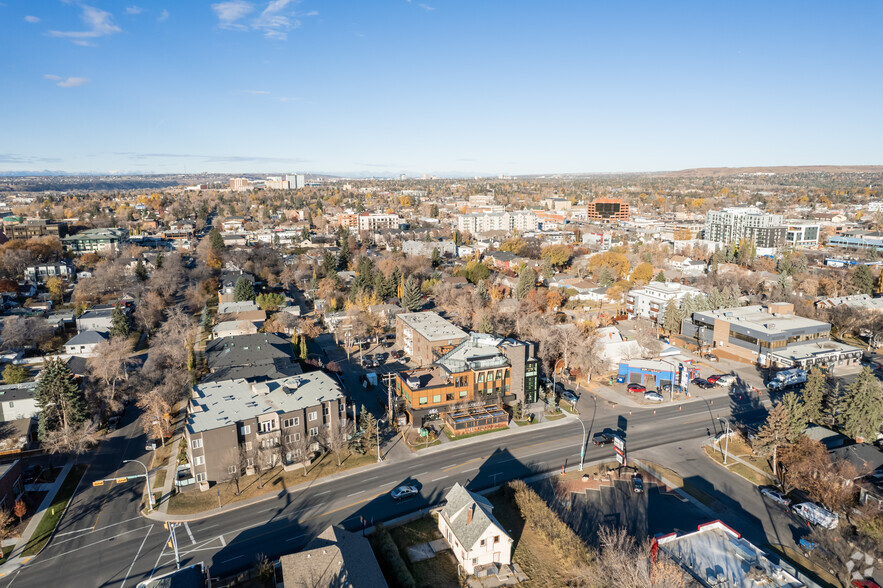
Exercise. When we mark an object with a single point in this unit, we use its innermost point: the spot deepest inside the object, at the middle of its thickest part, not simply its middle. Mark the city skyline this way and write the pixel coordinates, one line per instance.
(436, 88)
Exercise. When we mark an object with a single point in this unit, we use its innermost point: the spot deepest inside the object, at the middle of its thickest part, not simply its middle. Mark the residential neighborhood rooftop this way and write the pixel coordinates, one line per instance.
(431, 326)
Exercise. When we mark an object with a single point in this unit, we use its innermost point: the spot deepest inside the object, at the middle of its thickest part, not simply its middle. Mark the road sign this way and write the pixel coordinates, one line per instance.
(98, 483)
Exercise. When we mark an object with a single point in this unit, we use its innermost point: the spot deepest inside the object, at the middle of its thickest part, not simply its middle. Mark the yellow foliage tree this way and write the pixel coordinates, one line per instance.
(618, 263)
(642, 274)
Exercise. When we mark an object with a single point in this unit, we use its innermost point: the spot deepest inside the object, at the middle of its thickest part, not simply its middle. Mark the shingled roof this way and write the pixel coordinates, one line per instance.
(459, 502)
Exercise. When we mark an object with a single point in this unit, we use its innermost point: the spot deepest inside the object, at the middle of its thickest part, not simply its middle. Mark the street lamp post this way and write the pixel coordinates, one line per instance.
(379, 459)
(727, 443)
(582, 448)
(146, 479)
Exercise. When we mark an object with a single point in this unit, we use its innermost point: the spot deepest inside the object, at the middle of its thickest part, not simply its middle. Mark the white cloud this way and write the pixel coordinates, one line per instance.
(274, 21)
(99, 23)
(163, 15)
(232, 11)
(71, 82)
(134, 10)
(426, 7)
(32, 19)
(256, 92)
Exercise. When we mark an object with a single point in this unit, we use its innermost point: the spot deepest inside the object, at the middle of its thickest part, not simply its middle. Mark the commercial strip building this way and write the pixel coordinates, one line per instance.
(482, 372)
(650, 301)
(233, 423)
(716, 555)
(771, 336)
(748, 223)
(424, 336)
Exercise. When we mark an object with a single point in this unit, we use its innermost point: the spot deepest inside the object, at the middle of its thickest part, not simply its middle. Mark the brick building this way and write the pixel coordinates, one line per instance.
(425, 335)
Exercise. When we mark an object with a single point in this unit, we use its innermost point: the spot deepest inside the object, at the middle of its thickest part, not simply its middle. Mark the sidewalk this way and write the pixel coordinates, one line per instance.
(171, 473)
(730, 456)
(15, 558)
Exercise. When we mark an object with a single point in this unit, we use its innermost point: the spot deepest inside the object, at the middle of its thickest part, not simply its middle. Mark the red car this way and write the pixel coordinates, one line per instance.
(713, 379)
(637, 388)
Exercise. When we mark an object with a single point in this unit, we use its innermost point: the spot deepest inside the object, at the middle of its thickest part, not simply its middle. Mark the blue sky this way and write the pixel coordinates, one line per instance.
(437, 86)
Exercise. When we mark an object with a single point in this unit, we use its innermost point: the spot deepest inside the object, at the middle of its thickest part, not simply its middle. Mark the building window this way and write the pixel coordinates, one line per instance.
(499, 374)
(481, 544)
(245, 430)
(480, 377)
(463, 393)
(449, 397)
(249, 461)
(201, 477)
(436, 398)
(288, 423)
(326, 410)
(314, 431)
(496, 538)
(199, 460)
(422, 400)
(248, 445)
(231, 470)
(314, 447)
(267, 426)
(313, 415)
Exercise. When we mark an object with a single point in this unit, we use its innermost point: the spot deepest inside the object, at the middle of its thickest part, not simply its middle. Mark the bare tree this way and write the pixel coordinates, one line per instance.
(234, 463)
(171, 345)
(624, 562)
(68, 439)
(111, 364)
(150, 310)
(335, 439)
(648, 339)
(296, 449)
(19, 332)
(155, 419)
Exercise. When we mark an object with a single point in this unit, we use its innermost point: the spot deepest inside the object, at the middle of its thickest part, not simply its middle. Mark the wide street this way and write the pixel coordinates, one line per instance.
(102, 540)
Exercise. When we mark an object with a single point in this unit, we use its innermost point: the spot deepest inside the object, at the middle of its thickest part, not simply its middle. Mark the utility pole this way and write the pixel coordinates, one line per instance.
(727, 442)
(377, 428)
(173, 542)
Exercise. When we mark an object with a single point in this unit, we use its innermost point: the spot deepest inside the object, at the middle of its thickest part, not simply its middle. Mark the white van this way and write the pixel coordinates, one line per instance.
(817, 515)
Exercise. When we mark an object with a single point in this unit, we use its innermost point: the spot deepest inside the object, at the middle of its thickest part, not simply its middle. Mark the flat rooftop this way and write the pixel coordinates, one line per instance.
(718, 556)
(477, 352)
(218, 404)
(431, 326)
(758, 318)
(815, 350)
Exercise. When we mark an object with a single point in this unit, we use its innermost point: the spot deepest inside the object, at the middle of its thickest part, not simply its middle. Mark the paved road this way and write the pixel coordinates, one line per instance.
(103, 542)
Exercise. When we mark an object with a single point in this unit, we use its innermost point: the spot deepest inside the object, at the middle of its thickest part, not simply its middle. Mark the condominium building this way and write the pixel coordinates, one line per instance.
(240, 184)
(42, 272)
(96, 240)
(651, 300)
(771, 336)
(367, 221)
(423, 336)
(34, 228)
(232, 424)
(802, 235)
(521, 221)
(481, 371)
(766, 230)
(607, 210)
(296, 181)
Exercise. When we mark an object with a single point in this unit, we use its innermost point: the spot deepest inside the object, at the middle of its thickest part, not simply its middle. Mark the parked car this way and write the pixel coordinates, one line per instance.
(668, 388)
(637, 483)
(775, 495)
(603, 438)
(710, 357)
(653, 397)
(403, 492)
(725, 380)
(381, 357)
(713, 379)
(397, 354)
(570, 397)
(702, 383)
(637, 388)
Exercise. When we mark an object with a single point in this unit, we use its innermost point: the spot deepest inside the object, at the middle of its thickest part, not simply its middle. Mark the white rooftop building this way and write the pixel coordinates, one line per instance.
(651, 300)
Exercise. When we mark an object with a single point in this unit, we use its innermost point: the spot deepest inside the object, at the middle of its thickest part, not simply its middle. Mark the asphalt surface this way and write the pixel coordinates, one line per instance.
(102, 540)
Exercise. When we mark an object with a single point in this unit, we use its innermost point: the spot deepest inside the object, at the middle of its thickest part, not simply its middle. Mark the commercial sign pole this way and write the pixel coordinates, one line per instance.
(619, 447)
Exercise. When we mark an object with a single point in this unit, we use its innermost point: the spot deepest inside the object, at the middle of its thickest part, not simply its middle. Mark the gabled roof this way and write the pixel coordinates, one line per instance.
(459, 502)
(335, 558)
(867, 459)
(87, 338)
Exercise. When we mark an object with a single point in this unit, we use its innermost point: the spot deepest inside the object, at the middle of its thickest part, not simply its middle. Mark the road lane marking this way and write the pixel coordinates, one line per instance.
(232, 559)
(354, 493)
(369, 479)
(298, 537)
(209, 527)
(464, 463)
(321, 493)
(88, 545)
(420, 474)
(437, 479)
(325, 514)
(137, 553)
(86, 530)
(223, 541)
(190, 534)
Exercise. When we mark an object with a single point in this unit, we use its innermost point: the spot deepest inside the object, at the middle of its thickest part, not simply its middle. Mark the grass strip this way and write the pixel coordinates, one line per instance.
(50, 519)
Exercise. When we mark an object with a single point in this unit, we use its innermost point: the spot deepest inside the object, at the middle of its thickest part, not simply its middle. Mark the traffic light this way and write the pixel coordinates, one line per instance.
(170, 544)
(98, 483)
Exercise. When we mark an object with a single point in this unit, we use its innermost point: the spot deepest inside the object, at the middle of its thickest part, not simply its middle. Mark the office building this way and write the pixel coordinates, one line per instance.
(96, 241)
(607, 210)
(770, 336)
(34, 228)
(802, 235)
(729, 225)
(424, 336)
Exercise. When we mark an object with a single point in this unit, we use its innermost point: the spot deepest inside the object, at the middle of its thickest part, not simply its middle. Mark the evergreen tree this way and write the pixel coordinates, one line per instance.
(482, 293)
(687, 307)
(436, 257)
(368, 425)
(548, 269)
(485, 325)
(216, 239)
(715, 299)
(796, 415)
(660, 277)
(329, 263)
(605, 277)
(119, 323)
(364, 281)
(412, 299)
(861, 409)
(59, 398)
(141, 271)
(774, 434)
(433, 211)
(458, 237)
(343, 256)
(159, 260)
(814, 395)
(671, 320)
(243, 290)
(862, 279)
(527, 281)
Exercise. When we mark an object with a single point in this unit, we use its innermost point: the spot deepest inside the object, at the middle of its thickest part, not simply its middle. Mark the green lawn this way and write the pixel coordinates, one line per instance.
(51, 517)
(6, 551)
(439, 571)
(453, 437)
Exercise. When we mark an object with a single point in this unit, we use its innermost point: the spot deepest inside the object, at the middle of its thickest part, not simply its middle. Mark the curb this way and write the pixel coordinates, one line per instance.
(66, 506)
(676, 489)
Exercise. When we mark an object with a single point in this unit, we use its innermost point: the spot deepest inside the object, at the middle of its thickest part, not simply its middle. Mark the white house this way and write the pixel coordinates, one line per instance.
(17, 401)
(468, 525)
(84, 343)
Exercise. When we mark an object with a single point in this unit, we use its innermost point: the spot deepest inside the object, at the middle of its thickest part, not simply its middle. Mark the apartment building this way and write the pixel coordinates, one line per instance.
(767, 231)
(296, 181)
(484, 370)
(425, 335)
(607, 210)
(368, 221)
(559, 204)
(240, 184)
(802, 235)
(650, 301)
(44, 271)
(521, 221)
(34, 228)
(233, 423)
(770, 336)
(96, 240)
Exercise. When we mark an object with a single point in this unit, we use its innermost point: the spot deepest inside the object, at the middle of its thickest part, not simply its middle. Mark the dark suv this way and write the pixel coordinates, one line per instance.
(603, 438)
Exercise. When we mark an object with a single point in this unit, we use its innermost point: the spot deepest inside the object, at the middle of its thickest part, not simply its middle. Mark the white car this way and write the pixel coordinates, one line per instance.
(653, 397)
(776, 496)
(726, 380)
(403, 492)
